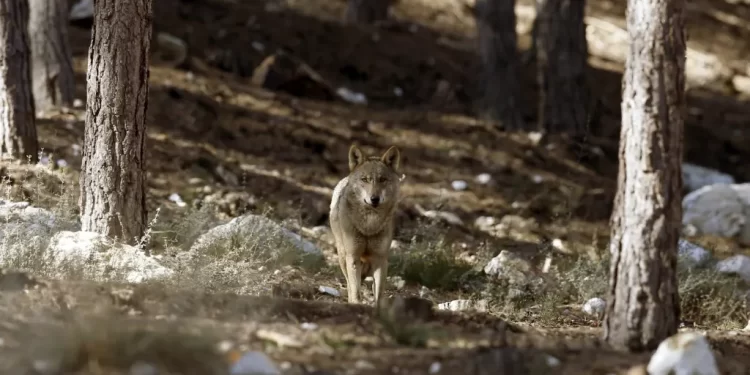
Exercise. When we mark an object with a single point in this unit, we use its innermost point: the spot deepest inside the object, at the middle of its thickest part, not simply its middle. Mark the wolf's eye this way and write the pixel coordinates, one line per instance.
(382, 179)
(365, 179)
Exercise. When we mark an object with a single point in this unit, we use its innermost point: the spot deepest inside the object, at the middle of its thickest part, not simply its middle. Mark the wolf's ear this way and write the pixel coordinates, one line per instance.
(392, 158)
(356, 157)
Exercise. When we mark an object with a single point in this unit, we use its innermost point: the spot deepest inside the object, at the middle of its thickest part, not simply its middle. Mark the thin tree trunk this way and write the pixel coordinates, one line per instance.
(51, 57)
(643, 303)
(113, 198)
(496, 29)
(367, 11)
(561, 57)
(18, 139)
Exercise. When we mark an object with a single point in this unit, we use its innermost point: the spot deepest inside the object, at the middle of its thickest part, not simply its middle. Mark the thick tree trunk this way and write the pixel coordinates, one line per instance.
(561, 58)
(18, 138)
(367, 11)
(51, 57)
(113, 199)
(643, 304)
(496, 29)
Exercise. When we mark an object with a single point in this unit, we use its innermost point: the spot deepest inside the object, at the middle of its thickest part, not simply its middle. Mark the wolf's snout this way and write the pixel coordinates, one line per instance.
(374, 201)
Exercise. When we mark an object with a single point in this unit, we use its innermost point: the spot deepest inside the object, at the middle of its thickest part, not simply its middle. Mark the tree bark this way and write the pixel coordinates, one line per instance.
(643, 304)
(561, 58)
(51, 56)
(113, 199)
(496, 29)
(367, 11)
(18, 139)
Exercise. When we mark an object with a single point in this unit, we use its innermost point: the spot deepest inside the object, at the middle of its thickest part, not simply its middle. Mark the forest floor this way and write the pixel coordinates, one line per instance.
(215, 136)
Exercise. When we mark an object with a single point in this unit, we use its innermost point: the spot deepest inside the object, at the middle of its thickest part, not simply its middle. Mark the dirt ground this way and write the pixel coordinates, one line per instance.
(212, 133)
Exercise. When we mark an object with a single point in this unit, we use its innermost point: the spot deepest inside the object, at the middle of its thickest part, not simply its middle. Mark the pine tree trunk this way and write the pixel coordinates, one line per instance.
(367, 11)
(643, 303)
(561, 58)
(18, 139)
(51, 57)
(113, 198)
(496, 29)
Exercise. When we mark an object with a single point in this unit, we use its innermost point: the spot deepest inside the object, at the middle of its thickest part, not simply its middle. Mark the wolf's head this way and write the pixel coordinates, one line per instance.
(374, 180)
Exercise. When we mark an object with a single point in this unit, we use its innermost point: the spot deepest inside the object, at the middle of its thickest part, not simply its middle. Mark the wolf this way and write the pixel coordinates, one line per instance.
(361, 217)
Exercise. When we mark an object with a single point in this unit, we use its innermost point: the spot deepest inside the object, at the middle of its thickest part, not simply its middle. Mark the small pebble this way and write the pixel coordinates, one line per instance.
(459, 185)
(309, 326)
(435, 367)
(329, 290)
(483, 178)
(254, 363)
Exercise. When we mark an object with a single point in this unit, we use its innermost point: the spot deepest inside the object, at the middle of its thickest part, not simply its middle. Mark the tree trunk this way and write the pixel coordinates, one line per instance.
(643, 304)
(18, 138)
(496, 29)
(367, 11)
(561, 58)
(51, 57)
(113, 199)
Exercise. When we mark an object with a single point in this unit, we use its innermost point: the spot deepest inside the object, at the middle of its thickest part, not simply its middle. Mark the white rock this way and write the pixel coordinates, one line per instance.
(351, 96)
(82, 10)
(685, 353)
(457, 305)
(509, 265)
(254, 363)
(435, 367)
(595, 306)
(739, 264)
(309, 326)
(484, 222)
(718, 210)
(329, 290)
(250, 228)
(483, 178)
(446, 216)
(694, 253)
(99, 258)
(695, 177)
(459, 185)
(177, 199)
(25, 228)
(398, 282)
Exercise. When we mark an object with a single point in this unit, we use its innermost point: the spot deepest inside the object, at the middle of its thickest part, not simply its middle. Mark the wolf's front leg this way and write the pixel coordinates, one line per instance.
(354, 277)
(379, 275)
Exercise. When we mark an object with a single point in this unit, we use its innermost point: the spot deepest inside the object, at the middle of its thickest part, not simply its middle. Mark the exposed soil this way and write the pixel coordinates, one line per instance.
(211, 132)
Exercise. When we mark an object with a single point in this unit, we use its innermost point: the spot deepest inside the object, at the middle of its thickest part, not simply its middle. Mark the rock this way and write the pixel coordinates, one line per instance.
(685, 353)
(508, 265)
(719, 209)
(739, 264)
(695, 177)
(459, 185)
(464, 305)
(170, 50)
(741, 84)
(328, 290)
(251, 227)
(398, 282)
(82, 10)
(282, 72)
(695, 254)
(595, 306)
(27, 229)
(510, 226)
(350, 96)
(99, 258)
(254, 363)
(483, 178)
(446, 216)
